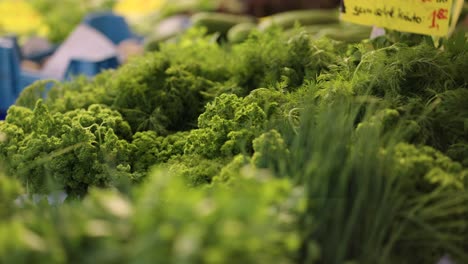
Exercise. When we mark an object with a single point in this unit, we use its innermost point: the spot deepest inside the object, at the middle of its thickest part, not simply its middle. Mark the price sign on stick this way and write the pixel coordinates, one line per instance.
(430, 17)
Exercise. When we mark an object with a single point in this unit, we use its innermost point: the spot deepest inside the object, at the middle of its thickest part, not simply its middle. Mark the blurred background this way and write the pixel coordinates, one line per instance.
(56, 19)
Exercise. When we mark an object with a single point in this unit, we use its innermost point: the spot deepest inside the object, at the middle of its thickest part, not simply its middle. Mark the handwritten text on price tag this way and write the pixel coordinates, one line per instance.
(429, 17)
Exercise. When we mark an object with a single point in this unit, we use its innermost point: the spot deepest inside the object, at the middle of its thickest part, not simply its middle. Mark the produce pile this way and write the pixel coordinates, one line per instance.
(235, 24)
(280, 149)
(235, 28)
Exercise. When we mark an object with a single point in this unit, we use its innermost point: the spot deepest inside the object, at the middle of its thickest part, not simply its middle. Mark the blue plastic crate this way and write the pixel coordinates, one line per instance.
(113, 26)
(89, 68)
(39, 56)
(9, 73)
(13, 79)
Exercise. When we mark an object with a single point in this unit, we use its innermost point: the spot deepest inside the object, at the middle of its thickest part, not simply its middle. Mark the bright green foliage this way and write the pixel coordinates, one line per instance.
(448, 119)
(398, 70)
(348, 185)
(10, 135)
(424, 168)
(266, 59)
(80, 93)
(164, 92)
(254, 220)
(218, 124)
(149, 149)
(8, 193)
(369, 193)
(373, 135)
(270, 151)
(74, 150)
(196, 169)
(229, 124)
(459, 152)
(42, 233)
(233, 168)
(153, 95)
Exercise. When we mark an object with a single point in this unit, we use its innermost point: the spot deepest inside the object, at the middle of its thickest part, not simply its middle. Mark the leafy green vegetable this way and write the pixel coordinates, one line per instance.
(255, 216)
(362, 148)
(75, 149)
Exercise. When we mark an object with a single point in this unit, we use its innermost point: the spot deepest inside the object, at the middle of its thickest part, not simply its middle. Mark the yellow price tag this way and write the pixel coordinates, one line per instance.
(430, 17)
